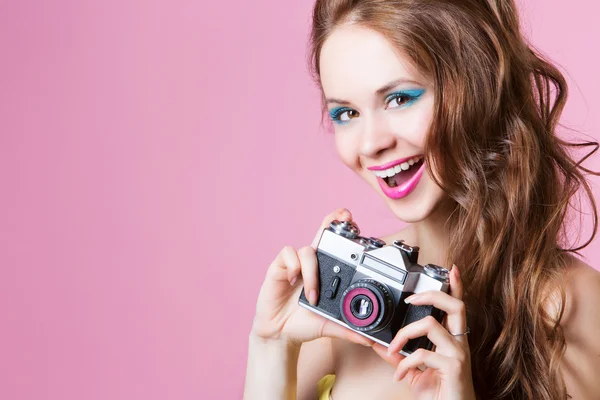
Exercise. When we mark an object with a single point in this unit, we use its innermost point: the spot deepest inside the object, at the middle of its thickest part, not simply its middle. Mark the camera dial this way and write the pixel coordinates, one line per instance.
(375, 243)
(366, 305)
(371, 243)
(436, 272)
(347, 229)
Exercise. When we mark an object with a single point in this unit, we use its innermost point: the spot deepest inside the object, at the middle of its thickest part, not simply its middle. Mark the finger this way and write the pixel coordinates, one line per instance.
(423, 357)
(456, 291)
(331, 329)
(456, 319)
(278, 270)
(456, 285)
(310, 273)
(434, 331)
(341, 214)
(291, 263)
(392, 359)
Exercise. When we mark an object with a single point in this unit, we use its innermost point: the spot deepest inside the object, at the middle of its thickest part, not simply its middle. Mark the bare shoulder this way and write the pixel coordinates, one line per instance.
(582, 288)
(581, 324)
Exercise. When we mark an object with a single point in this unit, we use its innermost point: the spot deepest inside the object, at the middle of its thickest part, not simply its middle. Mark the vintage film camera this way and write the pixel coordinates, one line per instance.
(363, 283)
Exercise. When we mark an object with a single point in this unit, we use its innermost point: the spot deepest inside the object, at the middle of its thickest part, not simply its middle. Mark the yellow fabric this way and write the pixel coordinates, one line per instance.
(324, 386)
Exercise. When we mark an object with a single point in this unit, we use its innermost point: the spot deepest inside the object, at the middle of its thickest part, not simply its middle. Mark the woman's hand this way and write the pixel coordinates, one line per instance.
(278, 315)
(448, 369)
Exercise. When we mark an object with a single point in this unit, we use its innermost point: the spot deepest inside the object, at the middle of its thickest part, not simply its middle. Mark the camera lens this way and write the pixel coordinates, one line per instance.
(366, 305)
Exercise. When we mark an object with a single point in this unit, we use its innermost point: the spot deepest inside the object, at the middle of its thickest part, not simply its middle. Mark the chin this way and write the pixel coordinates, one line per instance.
(410, 213)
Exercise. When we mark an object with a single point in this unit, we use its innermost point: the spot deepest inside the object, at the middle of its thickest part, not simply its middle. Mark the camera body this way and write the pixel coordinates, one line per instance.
(363, 283)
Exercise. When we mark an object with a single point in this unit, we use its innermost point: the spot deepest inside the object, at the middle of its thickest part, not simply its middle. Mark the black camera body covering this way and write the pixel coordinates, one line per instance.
(363, 283)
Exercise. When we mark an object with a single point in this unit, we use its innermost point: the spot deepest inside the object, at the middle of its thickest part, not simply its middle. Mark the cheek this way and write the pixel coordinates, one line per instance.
(414, 124)
(346, 149)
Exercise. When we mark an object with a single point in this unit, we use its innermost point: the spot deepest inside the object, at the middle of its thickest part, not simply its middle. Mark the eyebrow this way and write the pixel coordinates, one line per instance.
(379, 91)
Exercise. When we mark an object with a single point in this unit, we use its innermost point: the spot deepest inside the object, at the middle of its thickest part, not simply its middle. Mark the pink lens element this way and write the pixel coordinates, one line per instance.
(348, 312)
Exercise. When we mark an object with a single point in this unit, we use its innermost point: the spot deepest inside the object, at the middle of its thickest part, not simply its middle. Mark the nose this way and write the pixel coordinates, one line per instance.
(376, 137)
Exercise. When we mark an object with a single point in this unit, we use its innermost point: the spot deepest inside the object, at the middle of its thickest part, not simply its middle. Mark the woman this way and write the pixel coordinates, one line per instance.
(447, 98)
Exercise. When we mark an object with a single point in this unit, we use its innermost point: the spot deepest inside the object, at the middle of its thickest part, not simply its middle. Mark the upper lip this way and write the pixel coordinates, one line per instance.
(391, 164)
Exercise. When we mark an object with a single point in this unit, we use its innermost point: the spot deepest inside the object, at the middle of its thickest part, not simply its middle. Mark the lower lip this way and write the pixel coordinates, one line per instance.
(403, 190)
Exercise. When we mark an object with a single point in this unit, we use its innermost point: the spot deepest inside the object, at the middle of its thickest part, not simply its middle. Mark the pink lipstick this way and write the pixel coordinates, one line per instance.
(403, 181)
(389, 165)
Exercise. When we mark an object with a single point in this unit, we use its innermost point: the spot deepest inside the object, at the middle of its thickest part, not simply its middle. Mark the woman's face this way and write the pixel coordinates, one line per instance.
(381, 110)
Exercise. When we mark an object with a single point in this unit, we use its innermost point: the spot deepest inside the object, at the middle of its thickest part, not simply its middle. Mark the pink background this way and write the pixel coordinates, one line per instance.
(154, 157)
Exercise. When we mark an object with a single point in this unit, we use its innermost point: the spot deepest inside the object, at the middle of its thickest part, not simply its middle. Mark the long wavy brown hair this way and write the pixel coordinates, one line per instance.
(512, 179)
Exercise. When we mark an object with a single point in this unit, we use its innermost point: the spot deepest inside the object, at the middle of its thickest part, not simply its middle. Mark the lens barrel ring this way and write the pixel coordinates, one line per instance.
(382, 305)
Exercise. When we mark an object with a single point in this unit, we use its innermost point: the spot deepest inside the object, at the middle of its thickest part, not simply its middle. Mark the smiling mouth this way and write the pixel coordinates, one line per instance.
(397, 175)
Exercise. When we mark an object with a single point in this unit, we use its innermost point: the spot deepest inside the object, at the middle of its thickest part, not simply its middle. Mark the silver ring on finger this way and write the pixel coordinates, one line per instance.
(461, 334)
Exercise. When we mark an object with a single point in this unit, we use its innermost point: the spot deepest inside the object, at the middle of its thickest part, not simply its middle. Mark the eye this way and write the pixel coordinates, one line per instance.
(398, 100)
(404, 98)
(342, 115)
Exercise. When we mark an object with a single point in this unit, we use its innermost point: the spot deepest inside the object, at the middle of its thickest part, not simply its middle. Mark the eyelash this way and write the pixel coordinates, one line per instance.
(336, 113)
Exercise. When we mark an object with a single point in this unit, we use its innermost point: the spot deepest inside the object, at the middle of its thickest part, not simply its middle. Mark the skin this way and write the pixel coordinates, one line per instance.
(299, 347)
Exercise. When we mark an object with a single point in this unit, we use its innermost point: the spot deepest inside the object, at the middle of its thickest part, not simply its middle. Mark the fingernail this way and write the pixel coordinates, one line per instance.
(456, 271)
(396, 376)
(410, 298)
(293, 281)
(312, 297)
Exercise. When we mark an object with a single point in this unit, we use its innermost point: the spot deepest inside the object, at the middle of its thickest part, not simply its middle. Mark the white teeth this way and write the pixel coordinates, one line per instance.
(397, 168)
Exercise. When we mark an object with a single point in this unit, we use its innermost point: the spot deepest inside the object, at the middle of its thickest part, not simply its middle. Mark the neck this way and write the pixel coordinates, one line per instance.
(431, 235)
